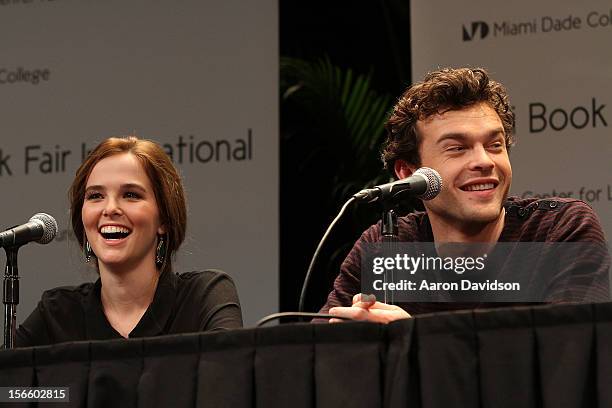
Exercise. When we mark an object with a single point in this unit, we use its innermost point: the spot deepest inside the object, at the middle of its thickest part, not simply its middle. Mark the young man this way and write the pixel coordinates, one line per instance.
(459, 122)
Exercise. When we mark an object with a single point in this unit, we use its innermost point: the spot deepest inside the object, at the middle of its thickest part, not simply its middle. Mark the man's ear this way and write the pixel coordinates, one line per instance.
(403, 169)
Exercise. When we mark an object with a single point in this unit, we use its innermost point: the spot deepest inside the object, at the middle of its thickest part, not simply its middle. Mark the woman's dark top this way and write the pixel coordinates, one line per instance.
(189, 302)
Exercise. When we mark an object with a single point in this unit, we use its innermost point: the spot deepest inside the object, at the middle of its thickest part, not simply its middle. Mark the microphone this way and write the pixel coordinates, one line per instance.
(424, 183)
(41, 228)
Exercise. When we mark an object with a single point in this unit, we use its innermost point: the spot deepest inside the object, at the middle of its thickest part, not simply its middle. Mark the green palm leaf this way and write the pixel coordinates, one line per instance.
(345, 107)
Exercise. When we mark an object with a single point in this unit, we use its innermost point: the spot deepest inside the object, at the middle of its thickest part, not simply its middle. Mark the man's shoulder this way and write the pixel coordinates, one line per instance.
(545, 205)
(536, 209)
(551, 218)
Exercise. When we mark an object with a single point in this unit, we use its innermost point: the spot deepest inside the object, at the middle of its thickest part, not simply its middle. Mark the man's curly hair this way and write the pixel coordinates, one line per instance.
(441, 91)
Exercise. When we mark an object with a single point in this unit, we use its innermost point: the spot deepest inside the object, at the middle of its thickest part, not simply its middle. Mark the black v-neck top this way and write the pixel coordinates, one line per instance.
(183, 303)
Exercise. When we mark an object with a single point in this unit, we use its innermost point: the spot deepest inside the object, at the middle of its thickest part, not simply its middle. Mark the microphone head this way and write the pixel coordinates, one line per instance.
(434, 182)
(49, 226)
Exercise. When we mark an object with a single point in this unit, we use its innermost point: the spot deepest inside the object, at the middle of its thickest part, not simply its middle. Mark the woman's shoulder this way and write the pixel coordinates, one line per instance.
(59, 316)
(206, 275)
(63, 294)
(210, 294)
(213, 284)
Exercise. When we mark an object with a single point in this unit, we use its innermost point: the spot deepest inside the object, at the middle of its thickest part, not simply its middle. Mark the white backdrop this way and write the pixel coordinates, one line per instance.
(201, 74)
(553, 56)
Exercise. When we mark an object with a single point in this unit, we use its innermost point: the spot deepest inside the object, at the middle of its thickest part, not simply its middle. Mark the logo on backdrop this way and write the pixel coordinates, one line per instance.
(10, 76)
(22, 2)
(590, 114)
(479, 29)
(40, 159)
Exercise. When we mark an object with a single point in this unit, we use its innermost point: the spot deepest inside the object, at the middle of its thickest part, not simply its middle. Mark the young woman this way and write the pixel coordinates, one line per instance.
(128, 213)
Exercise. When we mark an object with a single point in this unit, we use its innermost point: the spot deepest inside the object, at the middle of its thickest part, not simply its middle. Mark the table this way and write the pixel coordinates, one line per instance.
(545, 356)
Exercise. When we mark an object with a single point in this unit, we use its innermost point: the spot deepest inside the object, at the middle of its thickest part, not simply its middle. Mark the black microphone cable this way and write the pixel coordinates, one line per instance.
(316, 254)
(300, 315)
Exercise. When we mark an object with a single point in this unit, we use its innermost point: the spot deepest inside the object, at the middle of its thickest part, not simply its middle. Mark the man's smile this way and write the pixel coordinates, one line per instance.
(479, 187)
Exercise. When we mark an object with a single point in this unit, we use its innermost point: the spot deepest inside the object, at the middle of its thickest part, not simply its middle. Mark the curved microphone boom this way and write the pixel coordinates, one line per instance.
(424, 183)
(41, 228)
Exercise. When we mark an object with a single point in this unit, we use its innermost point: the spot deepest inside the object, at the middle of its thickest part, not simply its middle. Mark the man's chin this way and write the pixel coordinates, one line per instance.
(468, 211)
(484, 215)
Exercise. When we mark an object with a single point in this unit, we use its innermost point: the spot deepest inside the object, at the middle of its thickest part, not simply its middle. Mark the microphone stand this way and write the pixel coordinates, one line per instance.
(390, 236)
(389, 225)
(10, 296)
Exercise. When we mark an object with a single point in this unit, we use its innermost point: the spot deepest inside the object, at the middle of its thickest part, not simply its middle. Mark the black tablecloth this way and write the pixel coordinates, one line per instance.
(550, 356)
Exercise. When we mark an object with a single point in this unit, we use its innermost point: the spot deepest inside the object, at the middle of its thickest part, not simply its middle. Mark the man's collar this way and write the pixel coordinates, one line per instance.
(425, 230)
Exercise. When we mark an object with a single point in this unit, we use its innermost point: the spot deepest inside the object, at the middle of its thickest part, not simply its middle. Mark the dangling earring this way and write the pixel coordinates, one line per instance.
(88, 252)
(160, 252)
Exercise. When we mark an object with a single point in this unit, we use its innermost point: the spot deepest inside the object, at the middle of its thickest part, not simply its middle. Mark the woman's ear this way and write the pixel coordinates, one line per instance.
(403, 169)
